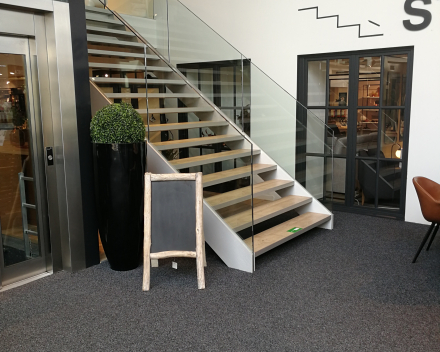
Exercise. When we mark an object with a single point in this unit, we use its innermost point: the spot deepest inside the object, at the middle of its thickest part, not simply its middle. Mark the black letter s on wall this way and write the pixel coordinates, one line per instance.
(417, 12)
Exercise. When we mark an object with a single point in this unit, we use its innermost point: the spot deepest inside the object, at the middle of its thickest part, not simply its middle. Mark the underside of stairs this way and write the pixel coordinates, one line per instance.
(238, 175)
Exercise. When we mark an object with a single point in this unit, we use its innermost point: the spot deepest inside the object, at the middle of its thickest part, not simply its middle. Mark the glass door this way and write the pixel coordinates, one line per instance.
(22, 251)
(328, 92)
(363, 98)
(380, 129)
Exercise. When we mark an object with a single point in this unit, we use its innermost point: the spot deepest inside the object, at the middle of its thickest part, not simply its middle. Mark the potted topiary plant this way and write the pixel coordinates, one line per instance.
(118, 136)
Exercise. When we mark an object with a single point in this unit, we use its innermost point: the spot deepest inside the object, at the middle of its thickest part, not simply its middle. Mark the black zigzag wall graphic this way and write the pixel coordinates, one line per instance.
(349, 25)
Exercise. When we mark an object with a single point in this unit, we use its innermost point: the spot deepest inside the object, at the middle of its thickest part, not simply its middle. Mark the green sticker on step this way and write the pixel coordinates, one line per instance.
(295, 229)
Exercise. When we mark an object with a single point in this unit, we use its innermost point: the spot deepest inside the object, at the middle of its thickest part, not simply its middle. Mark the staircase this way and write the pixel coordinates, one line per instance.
(244, 188)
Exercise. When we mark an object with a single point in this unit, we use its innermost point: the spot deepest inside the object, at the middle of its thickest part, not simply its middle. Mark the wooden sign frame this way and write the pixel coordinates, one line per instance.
(200, 239)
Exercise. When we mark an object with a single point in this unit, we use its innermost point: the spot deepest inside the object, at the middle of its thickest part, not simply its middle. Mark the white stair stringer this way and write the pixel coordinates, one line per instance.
(224, 241)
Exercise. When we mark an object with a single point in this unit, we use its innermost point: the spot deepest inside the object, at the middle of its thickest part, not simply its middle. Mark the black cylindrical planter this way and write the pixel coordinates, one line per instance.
(119, 186)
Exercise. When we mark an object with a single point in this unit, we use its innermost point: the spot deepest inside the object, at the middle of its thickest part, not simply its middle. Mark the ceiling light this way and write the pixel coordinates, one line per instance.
(8, 82)
(1, 74)
(106, 75)
(12, 73)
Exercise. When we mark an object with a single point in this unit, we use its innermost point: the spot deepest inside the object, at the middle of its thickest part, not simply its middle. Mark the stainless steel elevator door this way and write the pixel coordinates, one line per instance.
(22, 227)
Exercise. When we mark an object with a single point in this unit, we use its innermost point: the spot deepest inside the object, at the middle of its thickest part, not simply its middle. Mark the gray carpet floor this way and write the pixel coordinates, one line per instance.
(350, 289)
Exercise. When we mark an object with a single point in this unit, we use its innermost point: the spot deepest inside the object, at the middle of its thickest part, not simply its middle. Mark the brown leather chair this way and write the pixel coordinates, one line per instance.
(428, 192)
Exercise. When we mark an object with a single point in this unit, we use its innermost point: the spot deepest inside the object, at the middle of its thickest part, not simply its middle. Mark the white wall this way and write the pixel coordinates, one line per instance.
(274, 33)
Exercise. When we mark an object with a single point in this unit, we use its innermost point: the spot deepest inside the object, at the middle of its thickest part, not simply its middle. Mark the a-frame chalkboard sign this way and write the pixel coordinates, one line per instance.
(173, 221)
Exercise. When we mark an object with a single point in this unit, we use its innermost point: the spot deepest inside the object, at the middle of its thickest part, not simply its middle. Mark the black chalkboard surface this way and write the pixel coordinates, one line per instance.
(173, 221)
(173, 216)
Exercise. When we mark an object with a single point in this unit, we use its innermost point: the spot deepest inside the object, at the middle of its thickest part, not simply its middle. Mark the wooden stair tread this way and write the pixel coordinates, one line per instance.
(192, 142)
(225, 199)
(97, 9)
(120, 54)
(212, 158)
(110, 31)
(93, 17)
(151, 95)
(186, 125)
(273, 237)
(129, 67)
(92, 39)
(110, 80)
(175, 110)
(234, 174)
(267, 211)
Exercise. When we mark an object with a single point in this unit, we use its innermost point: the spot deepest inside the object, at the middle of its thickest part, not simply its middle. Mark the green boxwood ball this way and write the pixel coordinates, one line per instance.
(117, 123)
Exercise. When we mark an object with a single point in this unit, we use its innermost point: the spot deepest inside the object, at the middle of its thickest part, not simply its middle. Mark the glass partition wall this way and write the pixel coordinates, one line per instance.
(364, 98)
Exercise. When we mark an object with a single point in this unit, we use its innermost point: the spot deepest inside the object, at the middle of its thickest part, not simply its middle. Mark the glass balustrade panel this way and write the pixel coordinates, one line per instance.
(277, 120)
(246, 95)
(252, 101)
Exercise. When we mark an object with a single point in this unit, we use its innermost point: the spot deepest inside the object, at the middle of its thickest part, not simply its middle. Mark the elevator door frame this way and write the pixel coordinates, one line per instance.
(35, 63)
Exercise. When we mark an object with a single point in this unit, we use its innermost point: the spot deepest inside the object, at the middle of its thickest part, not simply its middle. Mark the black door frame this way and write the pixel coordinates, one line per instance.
(302, 85)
